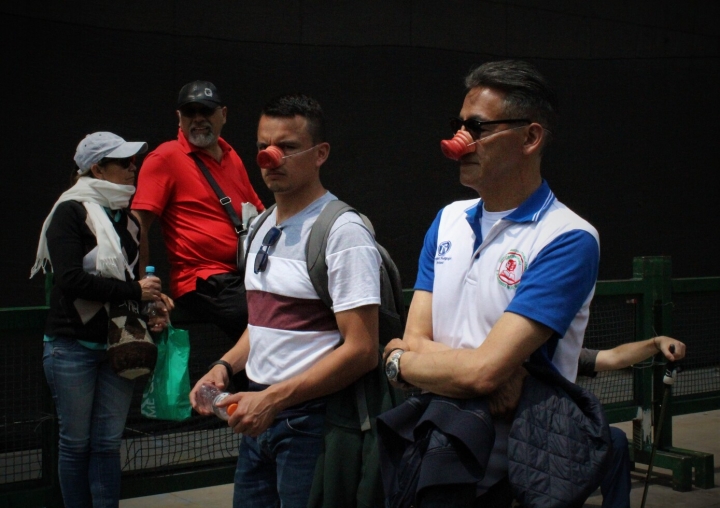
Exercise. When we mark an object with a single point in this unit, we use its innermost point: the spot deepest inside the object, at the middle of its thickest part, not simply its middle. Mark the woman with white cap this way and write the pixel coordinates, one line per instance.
(92, 243)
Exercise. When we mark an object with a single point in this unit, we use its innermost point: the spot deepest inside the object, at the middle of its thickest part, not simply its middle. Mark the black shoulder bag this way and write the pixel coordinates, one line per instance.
(223, 295)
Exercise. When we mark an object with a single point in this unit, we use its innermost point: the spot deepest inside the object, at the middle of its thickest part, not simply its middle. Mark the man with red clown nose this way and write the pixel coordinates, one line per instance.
(503, 279)
(300, 355)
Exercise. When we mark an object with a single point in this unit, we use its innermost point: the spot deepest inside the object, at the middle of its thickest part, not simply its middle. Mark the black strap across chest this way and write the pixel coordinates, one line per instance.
(225, 201)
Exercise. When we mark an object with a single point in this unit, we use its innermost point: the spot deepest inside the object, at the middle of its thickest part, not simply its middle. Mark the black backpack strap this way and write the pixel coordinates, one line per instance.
(254, 227)
(225, 201)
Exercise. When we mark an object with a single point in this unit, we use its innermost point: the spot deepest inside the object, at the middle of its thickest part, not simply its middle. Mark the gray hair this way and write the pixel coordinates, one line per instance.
(527, 92)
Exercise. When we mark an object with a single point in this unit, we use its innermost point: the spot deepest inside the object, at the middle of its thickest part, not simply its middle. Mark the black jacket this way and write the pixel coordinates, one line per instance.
(558, 447)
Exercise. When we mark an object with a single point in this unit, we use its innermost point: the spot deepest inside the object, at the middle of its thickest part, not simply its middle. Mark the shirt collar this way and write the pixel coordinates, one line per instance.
(535, 206)
(529, 211)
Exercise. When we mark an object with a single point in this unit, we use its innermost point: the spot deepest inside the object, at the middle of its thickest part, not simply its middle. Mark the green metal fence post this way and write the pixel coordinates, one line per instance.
(662, 312)
(658, 320)
(644, 268)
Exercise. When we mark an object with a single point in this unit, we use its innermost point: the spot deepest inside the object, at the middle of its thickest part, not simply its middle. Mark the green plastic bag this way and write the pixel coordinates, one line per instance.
(166, 395)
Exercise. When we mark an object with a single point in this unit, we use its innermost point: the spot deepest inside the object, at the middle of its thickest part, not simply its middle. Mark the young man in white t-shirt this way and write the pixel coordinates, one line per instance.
(296, 351)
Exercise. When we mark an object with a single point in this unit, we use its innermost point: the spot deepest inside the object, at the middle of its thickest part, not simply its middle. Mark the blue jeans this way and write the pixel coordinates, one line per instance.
(276, 469)
(92, 404)
(615, 487)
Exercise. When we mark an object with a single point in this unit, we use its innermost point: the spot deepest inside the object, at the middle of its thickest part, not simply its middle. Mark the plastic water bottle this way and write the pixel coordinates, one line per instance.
(150, 309)
(209, 396)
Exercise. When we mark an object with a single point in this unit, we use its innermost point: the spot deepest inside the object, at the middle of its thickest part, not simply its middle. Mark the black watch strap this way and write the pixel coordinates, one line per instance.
(227, 366)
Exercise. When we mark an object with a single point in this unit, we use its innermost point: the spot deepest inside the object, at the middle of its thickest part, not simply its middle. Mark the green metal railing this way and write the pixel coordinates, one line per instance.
(657, 297)
(650, 303)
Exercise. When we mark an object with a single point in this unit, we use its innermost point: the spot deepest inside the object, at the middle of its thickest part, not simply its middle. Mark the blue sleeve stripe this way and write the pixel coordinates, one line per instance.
(426, 263)
(558, 281)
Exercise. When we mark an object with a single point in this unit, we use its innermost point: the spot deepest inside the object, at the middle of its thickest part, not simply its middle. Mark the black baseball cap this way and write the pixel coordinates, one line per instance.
(202, 92)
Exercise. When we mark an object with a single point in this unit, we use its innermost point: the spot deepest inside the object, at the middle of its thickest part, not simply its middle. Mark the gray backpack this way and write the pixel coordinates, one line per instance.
(392, 304)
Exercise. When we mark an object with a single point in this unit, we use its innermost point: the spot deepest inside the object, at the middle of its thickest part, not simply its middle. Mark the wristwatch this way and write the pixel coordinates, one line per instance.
(392, 367)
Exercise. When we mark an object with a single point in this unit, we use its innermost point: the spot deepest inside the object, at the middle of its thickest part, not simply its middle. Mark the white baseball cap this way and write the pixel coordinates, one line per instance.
(99, 145)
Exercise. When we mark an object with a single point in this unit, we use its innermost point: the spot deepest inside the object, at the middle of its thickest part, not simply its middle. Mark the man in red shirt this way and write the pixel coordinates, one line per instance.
(199, 236)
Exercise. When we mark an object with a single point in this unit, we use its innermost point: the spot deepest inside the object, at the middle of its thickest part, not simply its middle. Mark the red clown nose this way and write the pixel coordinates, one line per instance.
(458, 146)
(269, 158)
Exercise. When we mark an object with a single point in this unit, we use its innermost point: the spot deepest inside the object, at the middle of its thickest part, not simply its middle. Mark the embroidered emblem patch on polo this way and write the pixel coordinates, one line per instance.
(510, 269)
(441, 257)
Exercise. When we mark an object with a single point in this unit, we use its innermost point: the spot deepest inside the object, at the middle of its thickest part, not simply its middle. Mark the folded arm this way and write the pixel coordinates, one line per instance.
(466, 373)
(418, 334)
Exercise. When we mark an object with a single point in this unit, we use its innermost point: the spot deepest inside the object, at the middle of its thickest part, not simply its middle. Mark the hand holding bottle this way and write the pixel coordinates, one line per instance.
(155, 309)
(151, 285)
(208, 397)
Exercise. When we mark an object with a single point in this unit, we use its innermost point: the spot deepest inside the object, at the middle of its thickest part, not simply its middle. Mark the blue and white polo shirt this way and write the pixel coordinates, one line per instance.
(540, 261)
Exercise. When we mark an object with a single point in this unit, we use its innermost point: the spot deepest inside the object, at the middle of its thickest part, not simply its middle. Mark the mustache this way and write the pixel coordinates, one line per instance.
(201, 125)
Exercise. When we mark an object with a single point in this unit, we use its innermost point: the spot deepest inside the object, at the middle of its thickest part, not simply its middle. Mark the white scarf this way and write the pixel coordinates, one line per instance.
(94, 194)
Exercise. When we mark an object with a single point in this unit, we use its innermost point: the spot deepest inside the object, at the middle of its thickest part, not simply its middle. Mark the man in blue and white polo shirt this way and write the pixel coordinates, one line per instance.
(501, 278)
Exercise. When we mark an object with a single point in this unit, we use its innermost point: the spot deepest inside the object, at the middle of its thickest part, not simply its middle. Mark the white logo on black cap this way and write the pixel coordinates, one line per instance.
(208, 92)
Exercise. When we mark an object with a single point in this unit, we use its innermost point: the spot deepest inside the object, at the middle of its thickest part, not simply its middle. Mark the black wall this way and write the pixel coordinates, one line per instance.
(638, 83)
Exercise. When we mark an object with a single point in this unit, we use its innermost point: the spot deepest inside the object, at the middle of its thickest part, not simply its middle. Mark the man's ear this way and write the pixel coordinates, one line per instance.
(534, 139)
(323, 152)
(224, 114)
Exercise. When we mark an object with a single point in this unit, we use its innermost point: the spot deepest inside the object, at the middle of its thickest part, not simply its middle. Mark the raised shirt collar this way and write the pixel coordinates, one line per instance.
(529, 211)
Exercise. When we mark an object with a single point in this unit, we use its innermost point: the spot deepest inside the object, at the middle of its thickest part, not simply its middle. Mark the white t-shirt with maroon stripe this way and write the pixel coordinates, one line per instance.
(290, 328)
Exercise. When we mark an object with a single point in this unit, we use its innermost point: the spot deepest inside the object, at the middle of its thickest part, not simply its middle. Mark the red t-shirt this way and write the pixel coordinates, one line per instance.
(199, 237)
